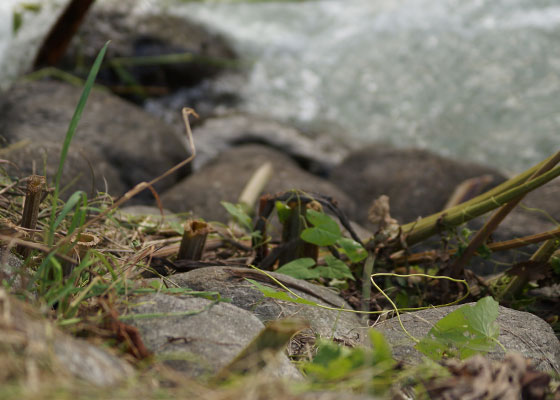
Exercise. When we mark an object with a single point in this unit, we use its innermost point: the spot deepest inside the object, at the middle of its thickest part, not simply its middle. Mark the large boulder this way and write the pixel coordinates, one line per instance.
(136, 32)
(418, 182)
(214, 135)
(230, 282)
(538, 211)
(224, 178)
(135, 143)
(202, 337)
(85, 170)
(30, 343)
(520, 332)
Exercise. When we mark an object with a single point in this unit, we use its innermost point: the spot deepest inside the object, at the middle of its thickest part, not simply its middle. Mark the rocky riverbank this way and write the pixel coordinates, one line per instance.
(119, 144)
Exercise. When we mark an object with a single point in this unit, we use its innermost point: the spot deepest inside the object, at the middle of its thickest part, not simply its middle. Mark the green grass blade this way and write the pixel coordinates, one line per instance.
(79, 214)
(70, 134)
(70, 204)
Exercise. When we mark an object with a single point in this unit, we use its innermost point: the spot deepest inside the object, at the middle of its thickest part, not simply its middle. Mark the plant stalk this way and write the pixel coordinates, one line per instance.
(194, 239)
(418, 231)
(490, 226)
(33, 195)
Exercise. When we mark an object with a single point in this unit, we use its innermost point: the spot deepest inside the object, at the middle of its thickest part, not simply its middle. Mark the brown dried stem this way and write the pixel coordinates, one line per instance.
(194, 239)
(35, 185)
(431, 255)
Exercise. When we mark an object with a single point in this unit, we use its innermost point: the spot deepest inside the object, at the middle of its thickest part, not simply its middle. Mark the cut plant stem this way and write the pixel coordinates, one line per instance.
(490, 226)
(291, 235)
(33, 194)
(366, 282)
(194, 239)
(417, 231)
(431, 255)
(259, 243)
(84, 242)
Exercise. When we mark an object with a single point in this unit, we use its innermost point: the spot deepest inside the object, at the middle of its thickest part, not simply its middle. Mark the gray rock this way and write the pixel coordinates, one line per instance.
(226, 176)
(214, 135)
(11, 269)
(343, 326)
(520, 332)
(418, 182)
(140, 146)
(202, 343)
(136, 33)
(545, 198)
(43, 345)
(85, 170)
(539, 211)
(90, 363)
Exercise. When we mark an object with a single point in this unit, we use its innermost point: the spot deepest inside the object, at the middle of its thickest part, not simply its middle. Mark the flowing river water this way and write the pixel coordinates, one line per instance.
(476, 80)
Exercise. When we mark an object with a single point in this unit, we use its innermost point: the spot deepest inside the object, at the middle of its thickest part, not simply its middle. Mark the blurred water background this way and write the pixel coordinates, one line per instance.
(477, 80)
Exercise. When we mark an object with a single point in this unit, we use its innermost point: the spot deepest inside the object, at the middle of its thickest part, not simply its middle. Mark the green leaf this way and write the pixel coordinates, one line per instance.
(482, 317)
(381, 349)
(335, 269)
(324, 232)
(334, 362)
(464, 332)
(70, 204)
(273, 294)
(283, 211)
(177, 227)
(79, 217)
(352, 249)
(555, 262)
(300, 269)
(238, 214)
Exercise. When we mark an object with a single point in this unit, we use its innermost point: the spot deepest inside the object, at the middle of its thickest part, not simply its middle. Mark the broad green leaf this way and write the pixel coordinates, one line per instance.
(334, 362)
(352, 249)
(464, 332)
(335, 269)
(273, 294)
(238, 214)
(324, 232)
(300, 269)
(327, 352)
(177, 227)
(381, 349)
(482, 317)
